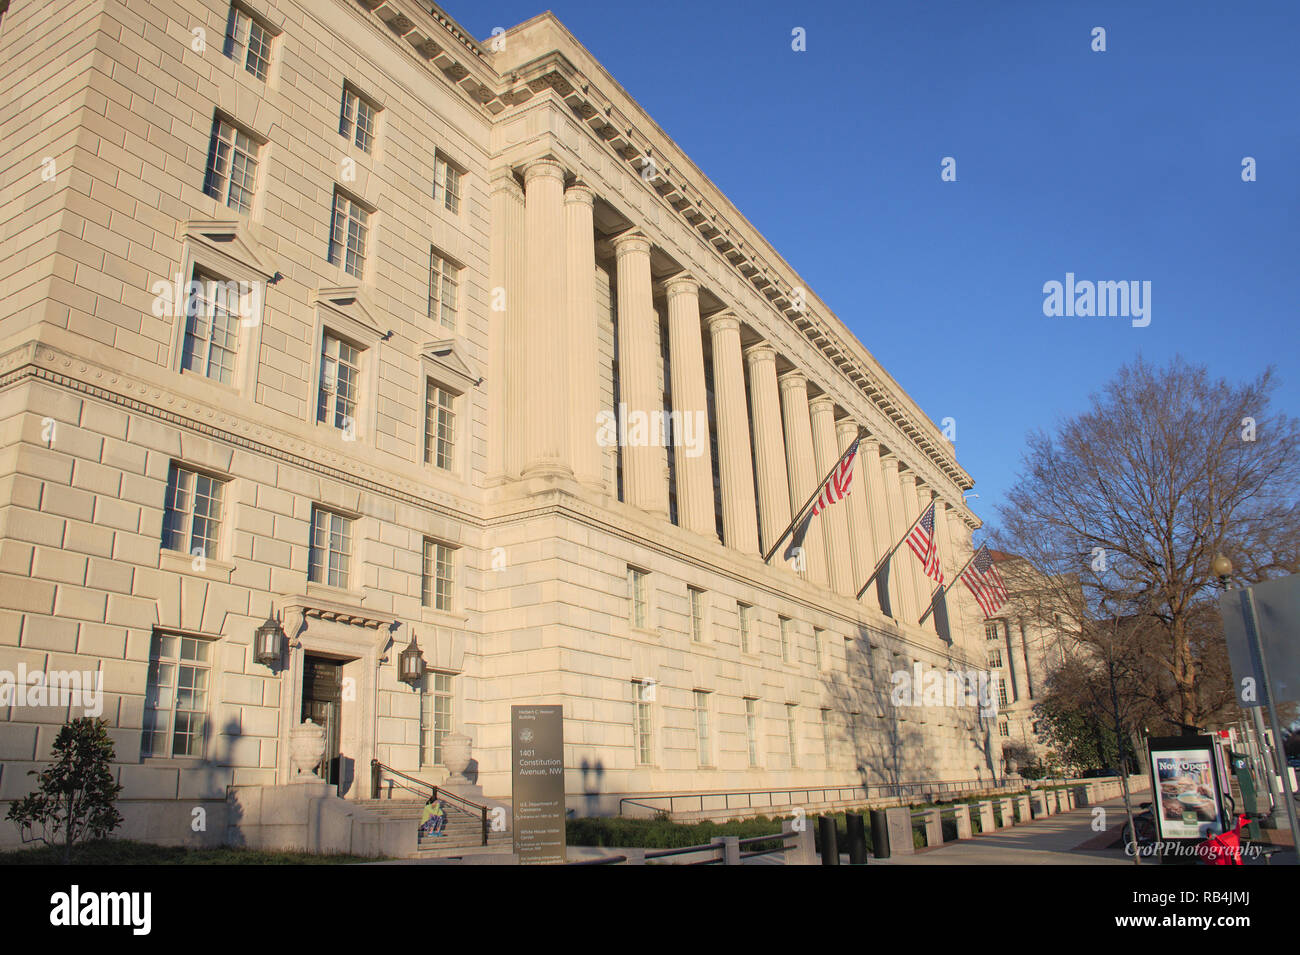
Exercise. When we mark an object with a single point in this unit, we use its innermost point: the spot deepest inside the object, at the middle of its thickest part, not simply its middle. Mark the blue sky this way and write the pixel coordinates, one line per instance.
(1122, 165)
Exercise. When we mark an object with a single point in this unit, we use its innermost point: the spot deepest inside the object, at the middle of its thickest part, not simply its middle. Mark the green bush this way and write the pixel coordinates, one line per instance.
(662, 833)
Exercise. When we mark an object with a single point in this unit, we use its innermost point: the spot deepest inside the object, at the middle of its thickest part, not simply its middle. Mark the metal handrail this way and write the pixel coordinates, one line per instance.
(603, 860)
(663, 853)
(377, 769)
(857, 791)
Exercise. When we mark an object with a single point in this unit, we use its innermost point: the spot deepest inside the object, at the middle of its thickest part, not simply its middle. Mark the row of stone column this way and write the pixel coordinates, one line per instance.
(774, 442)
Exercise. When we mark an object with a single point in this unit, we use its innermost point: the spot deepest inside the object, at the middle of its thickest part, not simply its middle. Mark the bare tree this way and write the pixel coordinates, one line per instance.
(1130, 501)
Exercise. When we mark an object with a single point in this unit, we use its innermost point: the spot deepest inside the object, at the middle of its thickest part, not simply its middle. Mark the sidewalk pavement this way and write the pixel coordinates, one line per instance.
(1067, 838)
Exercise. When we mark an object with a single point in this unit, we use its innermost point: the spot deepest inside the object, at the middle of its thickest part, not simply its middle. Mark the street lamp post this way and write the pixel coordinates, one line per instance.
(1222, 567)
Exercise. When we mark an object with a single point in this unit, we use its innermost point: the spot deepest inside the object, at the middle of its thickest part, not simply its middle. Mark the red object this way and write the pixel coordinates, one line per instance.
(1225, 848)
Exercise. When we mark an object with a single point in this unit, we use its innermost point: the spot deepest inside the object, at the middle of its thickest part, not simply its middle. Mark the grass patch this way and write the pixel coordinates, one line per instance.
(129, 852)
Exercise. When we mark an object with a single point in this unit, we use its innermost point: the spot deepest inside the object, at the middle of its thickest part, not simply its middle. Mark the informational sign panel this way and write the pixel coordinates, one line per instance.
(537, 771)
(1188, 788)
(1277, 617)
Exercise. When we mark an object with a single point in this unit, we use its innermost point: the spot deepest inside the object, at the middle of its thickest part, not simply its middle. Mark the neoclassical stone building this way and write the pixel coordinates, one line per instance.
(328, 310)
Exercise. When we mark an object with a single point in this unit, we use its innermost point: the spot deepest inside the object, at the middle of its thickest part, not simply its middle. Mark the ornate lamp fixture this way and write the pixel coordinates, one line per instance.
(268, 641)
(410, 663)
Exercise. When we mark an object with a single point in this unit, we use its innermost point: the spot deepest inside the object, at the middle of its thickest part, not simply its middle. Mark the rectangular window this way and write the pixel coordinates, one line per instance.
(248, 40)
(993, 630)
(331, 548)
(791, 734)
(192, 514)
(751, 729)
(444, 289)
(231, 174)
(439, 426)
(446, 183)
(357, 119)
(702, 728)
(349, 228)
(1002, 693)
(436, 587)
(176, 696)
(642, 695)
(826, 735)
(211, 327)
(1004, 729)
(340, 382)
(743, 611)
(818, 635)
(786, 626)
(636, 604)
(435, 716)
(995, 658)
(697, 614)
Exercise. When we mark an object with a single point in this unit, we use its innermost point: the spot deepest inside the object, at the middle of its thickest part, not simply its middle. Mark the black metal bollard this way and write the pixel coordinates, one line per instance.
(828, 840)
(857, 836)
(879, 834)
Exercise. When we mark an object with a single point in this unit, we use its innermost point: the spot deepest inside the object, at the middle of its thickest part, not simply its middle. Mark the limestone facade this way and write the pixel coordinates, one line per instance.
(459, 263)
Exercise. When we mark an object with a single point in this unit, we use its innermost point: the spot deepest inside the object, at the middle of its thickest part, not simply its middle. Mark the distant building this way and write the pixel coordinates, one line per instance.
(1023, 644)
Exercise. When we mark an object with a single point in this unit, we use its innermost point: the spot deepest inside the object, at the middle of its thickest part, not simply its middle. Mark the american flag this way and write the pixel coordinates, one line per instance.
(835, 489)
(984, 581)
(923, 545)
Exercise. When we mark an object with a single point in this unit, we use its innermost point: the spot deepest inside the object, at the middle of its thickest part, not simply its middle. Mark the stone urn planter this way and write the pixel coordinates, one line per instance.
(456, 755)
(306, 750)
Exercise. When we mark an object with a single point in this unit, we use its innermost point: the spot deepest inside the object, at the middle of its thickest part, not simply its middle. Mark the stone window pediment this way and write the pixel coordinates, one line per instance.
(231, 239)
(445, 360)
(351, 304)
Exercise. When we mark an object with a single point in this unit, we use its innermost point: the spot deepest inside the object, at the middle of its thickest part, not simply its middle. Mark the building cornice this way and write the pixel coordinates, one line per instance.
(677, 182)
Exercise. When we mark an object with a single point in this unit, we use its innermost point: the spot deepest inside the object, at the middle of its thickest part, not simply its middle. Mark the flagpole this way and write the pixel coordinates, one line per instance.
(808, 503)
(950, 586)
(884, 560)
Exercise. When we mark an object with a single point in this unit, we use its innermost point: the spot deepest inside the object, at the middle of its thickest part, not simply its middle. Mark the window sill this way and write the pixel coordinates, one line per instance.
(443, 618)
(326, 592)
(180, 562)
(643, 632)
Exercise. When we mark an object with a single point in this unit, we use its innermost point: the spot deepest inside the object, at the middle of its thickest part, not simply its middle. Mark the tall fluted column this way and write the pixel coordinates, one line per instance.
(644, 478)
(967, 609)
(855, 512)
(902, 589)
(802, 469)
(769, 443)
(878, 517)
(912, 507)
(546, 332)
(506, 354)
(735, 463)
(948, 559)
(835, 525)
(694, 468)
(584, 402)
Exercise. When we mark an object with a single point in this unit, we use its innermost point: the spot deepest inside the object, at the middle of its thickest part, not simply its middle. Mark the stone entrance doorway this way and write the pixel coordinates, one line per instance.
(322, 703)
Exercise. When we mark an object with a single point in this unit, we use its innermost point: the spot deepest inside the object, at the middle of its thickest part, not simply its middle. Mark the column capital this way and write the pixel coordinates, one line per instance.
(760, 352)
(543, 168)
(822, 404)
(847, 426)
(630, 242)
(889, 460)
(580, 192)
(793, 379)
(683, 283)
(503, 180)
(723, 321)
